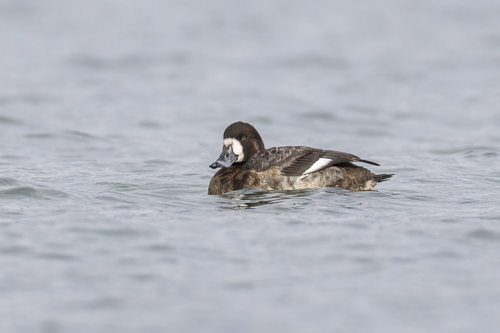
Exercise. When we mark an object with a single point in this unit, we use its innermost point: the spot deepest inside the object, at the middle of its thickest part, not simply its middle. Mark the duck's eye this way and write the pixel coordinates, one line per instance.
(243, 138)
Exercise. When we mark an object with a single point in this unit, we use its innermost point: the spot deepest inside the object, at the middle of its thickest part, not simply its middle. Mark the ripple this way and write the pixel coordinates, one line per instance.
(80, 134)
(484, 234)
(161, 162)
(54, 193)
(57, 256)
(100, 303)
(67, 134)
(362, 109)
(29, 192)
(480, 152)
(39, 136)
(132, 61)
(112, 232)
(470, 152)
(8, 182)
(446, 254)
(21, 191)
(420, 198)
(119, 186)
(12, 157)
(9, 121)
(28, 98)
(240, 285)
(318, 115)
(14, 249)
(90, 62)
(113, 199)
(160, 248)
(151, 124)
(313, 60)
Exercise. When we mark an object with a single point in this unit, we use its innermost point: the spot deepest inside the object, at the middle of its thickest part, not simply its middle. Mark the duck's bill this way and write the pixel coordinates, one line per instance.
(226, 158)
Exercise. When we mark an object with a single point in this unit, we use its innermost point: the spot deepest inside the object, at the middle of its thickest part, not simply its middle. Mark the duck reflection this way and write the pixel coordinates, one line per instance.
(251, 198)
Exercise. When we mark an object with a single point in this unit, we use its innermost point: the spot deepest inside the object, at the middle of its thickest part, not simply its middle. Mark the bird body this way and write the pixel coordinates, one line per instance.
(245, 163)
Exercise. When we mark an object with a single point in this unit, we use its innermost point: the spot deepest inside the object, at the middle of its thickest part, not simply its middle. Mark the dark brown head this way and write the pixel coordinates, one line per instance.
(241, 141)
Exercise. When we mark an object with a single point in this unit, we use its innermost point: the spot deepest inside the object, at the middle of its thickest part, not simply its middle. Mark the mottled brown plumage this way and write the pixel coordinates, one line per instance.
(284, 168)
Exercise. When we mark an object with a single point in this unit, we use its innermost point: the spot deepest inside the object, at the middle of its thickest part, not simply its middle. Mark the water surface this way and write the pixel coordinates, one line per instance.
(111, 112)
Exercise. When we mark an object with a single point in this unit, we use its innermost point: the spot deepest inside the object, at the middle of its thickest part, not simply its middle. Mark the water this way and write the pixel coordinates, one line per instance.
(111, 112)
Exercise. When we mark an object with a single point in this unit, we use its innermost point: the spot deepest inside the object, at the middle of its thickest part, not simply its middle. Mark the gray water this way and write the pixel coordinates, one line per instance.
(111, 112)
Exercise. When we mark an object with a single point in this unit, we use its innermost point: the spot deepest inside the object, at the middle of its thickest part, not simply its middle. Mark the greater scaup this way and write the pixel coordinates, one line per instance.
(245, 163)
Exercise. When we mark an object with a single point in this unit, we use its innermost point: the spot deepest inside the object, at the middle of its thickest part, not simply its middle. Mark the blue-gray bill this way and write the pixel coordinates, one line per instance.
(226, 158)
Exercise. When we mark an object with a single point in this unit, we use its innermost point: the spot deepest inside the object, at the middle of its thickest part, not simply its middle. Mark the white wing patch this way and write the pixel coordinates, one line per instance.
(318, 165)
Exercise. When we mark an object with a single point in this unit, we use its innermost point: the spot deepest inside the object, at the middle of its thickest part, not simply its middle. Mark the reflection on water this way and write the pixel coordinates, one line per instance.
(251, 198)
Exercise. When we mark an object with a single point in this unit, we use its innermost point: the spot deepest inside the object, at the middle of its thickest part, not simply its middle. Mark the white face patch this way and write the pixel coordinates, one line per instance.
(318, 165)
(237, 148)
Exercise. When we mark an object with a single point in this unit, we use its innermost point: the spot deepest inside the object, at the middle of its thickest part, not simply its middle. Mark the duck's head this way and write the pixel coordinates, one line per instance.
(241, 141)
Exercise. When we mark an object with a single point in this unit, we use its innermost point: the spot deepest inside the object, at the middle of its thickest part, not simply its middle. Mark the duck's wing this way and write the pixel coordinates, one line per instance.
(281, 157)
(299, 161)
(318, 160)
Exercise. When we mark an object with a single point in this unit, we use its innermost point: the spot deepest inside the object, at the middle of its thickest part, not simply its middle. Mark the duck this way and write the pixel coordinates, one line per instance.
(246, 163)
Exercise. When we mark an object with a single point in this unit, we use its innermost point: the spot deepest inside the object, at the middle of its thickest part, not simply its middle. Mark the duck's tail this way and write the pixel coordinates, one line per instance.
(382, 178)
